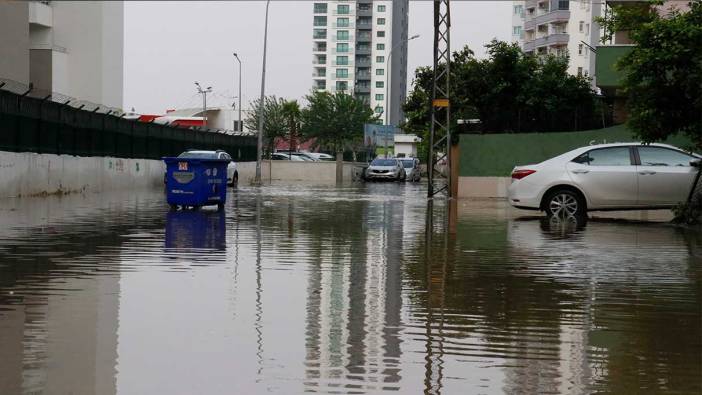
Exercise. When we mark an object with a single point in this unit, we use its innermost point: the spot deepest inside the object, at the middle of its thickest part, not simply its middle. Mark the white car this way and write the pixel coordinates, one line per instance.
(385, 169)
(606, 177)
(411, 166)
(232, 172)
(284, 156)
(320, 155)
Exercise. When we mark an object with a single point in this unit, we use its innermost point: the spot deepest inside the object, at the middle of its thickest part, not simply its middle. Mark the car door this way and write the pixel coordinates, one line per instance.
(607, 176)
(665, 176)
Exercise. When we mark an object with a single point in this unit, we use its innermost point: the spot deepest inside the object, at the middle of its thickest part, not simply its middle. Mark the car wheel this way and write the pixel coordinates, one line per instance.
(564, 203)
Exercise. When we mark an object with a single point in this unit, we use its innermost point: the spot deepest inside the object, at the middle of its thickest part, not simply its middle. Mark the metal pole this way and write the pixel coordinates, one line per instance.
(204, 107)
(239, 125)
(257, 180)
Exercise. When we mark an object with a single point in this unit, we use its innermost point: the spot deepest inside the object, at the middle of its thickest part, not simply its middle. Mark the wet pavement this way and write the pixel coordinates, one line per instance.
(341, 290)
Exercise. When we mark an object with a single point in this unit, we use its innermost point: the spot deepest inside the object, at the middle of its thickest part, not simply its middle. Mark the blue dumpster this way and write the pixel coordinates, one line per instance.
(196, 182)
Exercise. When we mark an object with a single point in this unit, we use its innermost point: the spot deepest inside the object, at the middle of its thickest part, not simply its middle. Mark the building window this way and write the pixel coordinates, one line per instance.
(581, 26)
(380, 84)
(381, 21)
(587, 28)
(380, 59)
(342, 22)
(321, 84)
(342, 35)
(380, 47)
(320, 8)
(519, 10)
(381, 8)
(342, 86)
(380, 33)
(379, 109)
(563, 4)
(580, 49)
(580, 71)
(342, 73)
(379, 97)
(342, 9)
(516, 30)
(342, 60)
(321, 59)
(320, 21)
(319, 34)
(379, 71)
(342, 47)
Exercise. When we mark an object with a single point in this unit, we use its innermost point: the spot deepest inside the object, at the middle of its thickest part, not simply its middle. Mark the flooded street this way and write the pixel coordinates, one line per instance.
(297, 289)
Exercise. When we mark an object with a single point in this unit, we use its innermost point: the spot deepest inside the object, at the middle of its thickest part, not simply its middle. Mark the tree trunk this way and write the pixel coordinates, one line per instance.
(339, 166)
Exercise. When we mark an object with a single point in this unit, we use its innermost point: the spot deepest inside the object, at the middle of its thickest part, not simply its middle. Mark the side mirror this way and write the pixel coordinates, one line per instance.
(696, 163)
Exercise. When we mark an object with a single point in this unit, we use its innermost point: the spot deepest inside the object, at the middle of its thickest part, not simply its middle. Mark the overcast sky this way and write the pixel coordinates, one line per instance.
(169, 45)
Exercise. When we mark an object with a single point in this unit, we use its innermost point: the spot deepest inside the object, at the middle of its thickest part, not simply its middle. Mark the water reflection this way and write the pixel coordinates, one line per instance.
(342, 289)
(201, 229)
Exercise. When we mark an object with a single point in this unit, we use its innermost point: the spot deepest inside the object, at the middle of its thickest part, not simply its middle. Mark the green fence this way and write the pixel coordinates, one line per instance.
(43, 126)
(497, 154)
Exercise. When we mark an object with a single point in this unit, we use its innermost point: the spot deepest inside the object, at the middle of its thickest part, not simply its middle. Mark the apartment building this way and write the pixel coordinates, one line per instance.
(518, 22)
(75, 48)
(360, 47)
(562, 27)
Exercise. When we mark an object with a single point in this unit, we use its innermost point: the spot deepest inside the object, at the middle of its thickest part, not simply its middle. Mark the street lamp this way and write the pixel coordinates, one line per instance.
(387, 78)
(239, 125)
(204, 93)
(259, 148)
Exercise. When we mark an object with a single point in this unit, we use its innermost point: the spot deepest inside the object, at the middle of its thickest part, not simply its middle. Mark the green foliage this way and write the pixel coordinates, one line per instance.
(509, 92)
(275, 120)
(335, 120)
(663, 72)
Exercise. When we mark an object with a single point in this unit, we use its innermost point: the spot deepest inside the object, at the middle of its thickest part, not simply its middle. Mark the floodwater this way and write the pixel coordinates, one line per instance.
(341, 290)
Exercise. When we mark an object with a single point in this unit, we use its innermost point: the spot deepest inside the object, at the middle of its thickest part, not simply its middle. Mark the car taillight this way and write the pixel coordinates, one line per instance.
(519, 174)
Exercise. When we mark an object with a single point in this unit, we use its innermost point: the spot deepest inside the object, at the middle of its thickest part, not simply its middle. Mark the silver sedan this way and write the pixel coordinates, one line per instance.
(606, 177)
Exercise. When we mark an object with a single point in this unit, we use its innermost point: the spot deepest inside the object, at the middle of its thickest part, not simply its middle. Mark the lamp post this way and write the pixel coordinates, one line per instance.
(204, 93)
(387, 87)
(238, 125)
(257, 180)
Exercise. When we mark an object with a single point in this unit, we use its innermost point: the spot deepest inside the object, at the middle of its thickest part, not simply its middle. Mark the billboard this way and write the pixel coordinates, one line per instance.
(378, 135)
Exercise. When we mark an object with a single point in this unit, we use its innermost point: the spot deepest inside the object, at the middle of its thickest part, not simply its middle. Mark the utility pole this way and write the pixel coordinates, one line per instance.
(259, 149)
(239, 126)
(204, 93)
(440, 129)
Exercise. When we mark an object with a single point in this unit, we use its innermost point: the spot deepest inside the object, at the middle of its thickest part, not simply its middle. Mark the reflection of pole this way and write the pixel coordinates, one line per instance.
(259, 307)
(436, 282)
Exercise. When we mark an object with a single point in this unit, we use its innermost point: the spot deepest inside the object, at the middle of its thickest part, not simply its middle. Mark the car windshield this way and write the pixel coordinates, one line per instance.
(408, 164)
(383, 162)
(198, 155)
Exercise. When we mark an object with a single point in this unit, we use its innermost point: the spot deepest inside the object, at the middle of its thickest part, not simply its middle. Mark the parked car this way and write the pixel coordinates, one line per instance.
(320, 155)
(411, 166)
(606, 177)
(284, 156)
(232, 172)
(385, 169)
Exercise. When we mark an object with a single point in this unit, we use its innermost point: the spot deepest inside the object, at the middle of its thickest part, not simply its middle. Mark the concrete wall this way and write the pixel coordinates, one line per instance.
(24, 174)
(14, 41)
(313, 172)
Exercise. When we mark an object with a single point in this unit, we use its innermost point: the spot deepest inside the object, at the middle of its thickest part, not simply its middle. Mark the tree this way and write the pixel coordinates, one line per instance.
(663, 71)
(335, 121)
(291, 112)
(509, 92)
(275, 123)
(663, 77)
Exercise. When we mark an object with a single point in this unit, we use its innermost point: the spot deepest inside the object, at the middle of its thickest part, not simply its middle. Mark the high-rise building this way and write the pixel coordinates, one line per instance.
(562, 27)
(518, 22)
(75, 48)
(352, 45)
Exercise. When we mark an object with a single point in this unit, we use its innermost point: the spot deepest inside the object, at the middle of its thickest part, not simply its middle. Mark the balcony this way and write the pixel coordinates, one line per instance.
(551, 17)
(362, 12)
(607, 56)
(551, 39)
(362, 88)
(365, 25)
(41, 13)
(364, 37)
(363, 62)
(335, 37)
(365, 50)
(363, 75)
(337, 25)
(346, 63)
(319, 61)
(319, 48)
